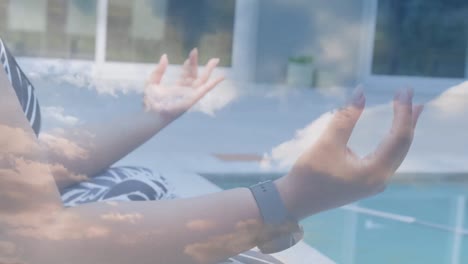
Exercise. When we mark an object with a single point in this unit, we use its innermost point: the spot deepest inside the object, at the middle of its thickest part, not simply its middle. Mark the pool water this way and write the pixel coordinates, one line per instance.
(349, 237)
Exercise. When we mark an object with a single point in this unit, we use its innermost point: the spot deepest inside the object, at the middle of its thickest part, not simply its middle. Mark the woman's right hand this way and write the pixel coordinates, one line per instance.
(172, 100)
(330, 175)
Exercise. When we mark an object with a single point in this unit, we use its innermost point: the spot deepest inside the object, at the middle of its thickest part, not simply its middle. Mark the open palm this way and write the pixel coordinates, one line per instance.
(172, 100)
(330, 175)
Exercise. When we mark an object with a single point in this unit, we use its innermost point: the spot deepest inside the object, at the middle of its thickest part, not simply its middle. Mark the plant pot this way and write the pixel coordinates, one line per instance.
(300, 74)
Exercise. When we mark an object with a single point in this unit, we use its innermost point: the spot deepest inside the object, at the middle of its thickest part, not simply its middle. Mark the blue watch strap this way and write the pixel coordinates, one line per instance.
(269, 203)
(281, 229)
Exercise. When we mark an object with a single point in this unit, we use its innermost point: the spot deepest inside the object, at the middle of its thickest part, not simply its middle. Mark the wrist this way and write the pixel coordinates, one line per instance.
(289, 196)
(158, 118)
(281, 229)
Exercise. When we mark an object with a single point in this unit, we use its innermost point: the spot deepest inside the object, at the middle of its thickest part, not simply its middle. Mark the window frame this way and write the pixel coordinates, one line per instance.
(243, 51)
(426, 85)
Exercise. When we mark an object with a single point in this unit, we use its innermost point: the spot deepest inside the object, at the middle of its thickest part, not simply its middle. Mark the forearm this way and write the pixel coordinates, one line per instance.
(87, 150)
(100, 146)
(207, 229)
(35, 228)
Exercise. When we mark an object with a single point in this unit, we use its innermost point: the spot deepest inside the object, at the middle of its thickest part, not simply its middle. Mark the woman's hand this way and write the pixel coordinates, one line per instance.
(171, 101)
(330, 175)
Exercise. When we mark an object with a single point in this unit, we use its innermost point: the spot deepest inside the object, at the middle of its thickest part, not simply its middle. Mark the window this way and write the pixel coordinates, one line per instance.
(421, 38)
(67, 28)
(129, 36)
(136, 29)
(49, 28)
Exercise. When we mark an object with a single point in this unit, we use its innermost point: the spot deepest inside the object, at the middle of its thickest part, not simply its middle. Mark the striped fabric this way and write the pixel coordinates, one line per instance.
(119, 184)
(23, 88)
(252, 257)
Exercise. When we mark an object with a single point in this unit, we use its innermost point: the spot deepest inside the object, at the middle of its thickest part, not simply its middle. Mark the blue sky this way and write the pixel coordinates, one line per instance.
(256, 119)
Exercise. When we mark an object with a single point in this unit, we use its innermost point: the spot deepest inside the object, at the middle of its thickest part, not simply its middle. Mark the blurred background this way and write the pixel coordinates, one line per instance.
(287, 63)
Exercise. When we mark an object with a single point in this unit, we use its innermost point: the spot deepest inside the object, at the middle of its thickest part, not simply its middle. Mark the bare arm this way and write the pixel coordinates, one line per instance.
(35, 228)
(206, 229)
(198, 230)
(85, 151)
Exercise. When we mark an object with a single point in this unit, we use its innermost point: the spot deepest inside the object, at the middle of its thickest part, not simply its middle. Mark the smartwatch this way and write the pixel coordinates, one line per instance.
(281, 229)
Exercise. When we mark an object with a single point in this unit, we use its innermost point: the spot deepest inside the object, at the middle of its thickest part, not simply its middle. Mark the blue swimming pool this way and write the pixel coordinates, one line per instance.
(352, 237)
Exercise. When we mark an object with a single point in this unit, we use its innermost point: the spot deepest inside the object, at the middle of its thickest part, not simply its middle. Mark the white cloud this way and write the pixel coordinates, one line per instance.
(118, 217)
(439, 144)
(60, 71)
(116, 79)
(17, 141)
(454, 101)
(285, 154)
(57, 113)
(63, 147)
(200, 225)
(217, 99)
(60, 227)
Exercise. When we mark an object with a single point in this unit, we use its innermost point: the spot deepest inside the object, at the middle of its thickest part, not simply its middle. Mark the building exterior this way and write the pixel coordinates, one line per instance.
(376, 42)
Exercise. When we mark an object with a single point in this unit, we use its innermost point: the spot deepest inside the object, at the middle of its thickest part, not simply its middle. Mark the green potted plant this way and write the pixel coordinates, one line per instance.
(300, 71)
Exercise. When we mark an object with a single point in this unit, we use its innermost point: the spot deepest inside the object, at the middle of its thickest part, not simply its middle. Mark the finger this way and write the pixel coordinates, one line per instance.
(207, 88)
(393, 149)
(185, 77)
(190, 69)
(342, 124)
(209, 68)
(157, 75)
(193, 61)
(417, 110)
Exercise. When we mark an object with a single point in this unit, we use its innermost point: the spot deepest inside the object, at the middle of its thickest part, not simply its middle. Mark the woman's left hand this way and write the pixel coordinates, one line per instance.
(329, 174)
(172, 100)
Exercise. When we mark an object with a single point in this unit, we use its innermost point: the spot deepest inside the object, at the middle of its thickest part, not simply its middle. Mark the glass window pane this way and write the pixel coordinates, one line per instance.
(141, 30)
(49, 28)
(421, 38)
